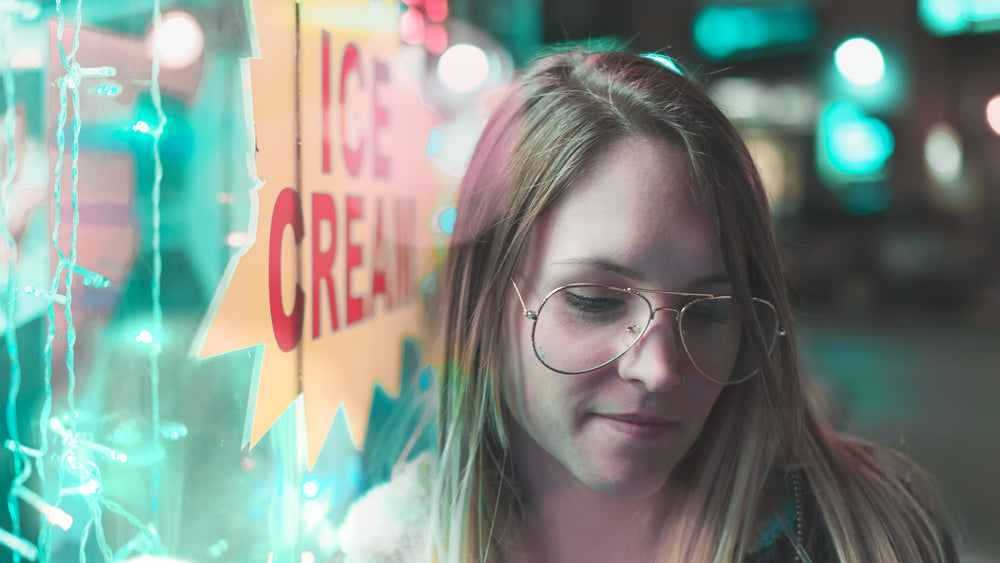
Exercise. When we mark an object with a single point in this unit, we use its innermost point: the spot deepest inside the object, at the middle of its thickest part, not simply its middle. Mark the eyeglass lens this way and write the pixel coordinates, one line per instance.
(582, 327)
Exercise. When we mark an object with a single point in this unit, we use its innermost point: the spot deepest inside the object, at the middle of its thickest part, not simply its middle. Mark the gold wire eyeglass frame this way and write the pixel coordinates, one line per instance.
(679, 313)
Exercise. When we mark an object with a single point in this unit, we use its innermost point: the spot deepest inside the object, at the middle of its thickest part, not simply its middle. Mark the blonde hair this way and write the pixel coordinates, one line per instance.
(565, 110)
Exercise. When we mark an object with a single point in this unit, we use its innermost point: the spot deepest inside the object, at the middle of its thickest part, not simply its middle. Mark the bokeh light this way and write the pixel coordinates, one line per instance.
(411, 27)
(855, 144)
(435, 143)
(236, 239)
(26, 58)
(446, 220)
(860, 61)
(943, 17)
(721, 32)
(310, 488)
(943, 153)
(437, 10)
(436, 38)
(463, 68)
(179, 41)
(993, 114)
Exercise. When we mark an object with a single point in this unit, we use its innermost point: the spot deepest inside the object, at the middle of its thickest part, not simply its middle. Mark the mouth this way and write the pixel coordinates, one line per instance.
(638, 425)
(638, 418)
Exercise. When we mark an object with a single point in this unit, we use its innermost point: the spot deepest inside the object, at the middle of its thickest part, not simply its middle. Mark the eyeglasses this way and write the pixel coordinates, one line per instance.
(581, 327)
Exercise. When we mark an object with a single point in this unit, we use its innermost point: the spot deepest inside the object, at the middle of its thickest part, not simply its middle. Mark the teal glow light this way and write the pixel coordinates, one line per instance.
(860, 61)
(446, 220)
(435, 143)
(944, 17)
(144, 337)
(955, 17)
(723, 32)
(310, 488)
(855, 144)
(426, 378)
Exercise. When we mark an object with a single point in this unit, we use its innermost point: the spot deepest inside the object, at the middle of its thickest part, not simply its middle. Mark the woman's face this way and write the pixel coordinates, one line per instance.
(621, 429)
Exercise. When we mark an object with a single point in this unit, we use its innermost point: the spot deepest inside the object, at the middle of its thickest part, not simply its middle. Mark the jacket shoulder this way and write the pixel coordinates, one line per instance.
(390, 523)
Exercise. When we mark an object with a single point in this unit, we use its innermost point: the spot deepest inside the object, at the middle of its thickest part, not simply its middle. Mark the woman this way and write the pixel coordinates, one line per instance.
(611, 169)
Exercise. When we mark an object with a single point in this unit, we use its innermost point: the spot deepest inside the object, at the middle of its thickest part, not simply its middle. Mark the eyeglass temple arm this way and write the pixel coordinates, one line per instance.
(524, 308)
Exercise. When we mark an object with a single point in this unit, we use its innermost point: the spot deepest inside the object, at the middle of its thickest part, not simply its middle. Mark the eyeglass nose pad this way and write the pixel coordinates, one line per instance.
(639, 331)
(654, 353)
(676, 312)
(674, 331)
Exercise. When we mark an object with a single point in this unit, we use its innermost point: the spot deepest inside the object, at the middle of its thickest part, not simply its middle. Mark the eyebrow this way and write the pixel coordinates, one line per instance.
(626, 271)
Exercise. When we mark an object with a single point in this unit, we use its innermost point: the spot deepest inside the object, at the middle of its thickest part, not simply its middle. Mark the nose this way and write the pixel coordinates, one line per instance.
(658, 360)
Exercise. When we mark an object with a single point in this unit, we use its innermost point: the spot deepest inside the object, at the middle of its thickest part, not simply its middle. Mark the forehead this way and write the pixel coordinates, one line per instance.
(636, 207)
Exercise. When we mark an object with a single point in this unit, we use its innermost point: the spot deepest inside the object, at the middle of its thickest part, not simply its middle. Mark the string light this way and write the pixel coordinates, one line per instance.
(54, 514)
(154, 354)
(21, 448)
(42, 294)
(110, 90)
(21, 466)
(91, 278)
(91, 487)
(78, 453)
(19, 546)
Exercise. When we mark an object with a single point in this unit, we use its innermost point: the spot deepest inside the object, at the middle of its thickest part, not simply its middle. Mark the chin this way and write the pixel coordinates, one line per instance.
(633, 485)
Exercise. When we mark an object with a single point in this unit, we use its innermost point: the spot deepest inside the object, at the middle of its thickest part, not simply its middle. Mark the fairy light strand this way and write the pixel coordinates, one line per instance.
(47, 351)
(6, 210)
(74, 229)
(78, 472)
(154, 357)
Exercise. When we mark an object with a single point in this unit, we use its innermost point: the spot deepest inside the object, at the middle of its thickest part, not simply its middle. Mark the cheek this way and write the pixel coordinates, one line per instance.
(533, 394)
(516, 376)
(702, 395)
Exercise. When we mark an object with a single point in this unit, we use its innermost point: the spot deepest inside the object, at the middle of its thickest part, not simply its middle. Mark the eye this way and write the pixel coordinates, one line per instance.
(716, 311)
(592, 304)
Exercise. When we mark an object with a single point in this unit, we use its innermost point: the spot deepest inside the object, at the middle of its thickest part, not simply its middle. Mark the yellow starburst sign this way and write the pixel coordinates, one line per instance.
(339, 238)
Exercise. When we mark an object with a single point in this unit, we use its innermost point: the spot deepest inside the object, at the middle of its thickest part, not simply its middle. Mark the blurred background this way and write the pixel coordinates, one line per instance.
(876, 125)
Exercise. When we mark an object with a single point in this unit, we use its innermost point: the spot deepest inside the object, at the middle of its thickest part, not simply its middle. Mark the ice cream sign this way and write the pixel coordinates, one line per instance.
(338, 241)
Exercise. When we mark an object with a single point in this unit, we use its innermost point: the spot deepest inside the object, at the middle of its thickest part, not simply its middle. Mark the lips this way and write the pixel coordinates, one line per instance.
(638, 418)
(638, 425)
